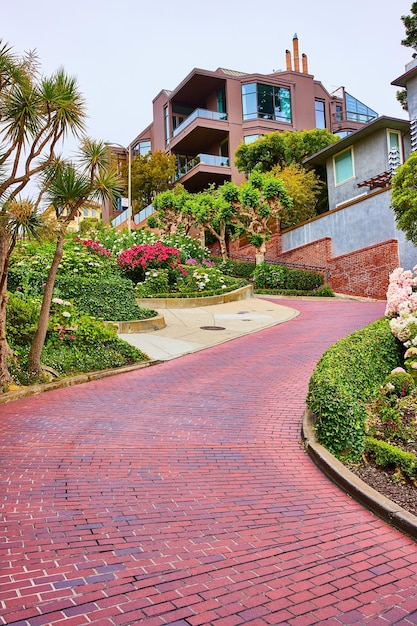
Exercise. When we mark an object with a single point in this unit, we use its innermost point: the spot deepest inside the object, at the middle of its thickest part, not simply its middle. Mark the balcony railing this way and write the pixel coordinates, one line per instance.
(119, 219)
(142, 215)
(213, 115)
(352, 116)
(206, 159)
(138, 218)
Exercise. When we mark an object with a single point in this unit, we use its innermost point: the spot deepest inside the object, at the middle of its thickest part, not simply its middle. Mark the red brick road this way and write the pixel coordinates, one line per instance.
(180, 494)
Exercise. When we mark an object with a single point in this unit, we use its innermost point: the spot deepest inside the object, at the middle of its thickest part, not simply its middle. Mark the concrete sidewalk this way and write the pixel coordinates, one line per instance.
(191, 329)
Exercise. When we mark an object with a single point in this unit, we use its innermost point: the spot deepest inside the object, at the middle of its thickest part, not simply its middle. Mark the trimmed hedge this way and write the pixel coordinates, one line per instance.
(111, 299)
(386, 455)
(345, 378)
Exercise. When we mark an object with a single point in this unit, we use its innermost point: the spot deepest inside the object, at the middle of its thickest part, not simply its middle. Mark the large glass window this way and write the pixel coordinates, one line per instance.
(356, 111)
(166, 124)
(142, 148)
(343, 166)
(267, 102)
(320, 114)
(221, 100)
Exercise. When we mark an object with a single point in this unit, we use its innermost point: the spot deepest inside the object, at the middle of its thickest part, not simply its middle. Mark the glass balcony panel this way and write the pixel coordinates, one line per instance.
(213, 115)
(207, 159)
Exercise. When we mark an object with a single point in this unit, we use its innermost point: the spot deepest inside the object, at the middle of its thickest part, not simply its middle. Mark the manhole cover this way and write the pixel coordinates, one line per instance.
(212, 327)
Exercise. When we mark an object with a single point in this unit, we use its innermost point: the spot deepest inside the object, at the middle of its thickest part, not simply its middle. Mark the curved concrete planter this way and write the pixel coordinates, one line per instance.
(382, 506)
(243, 293)
(140, 326)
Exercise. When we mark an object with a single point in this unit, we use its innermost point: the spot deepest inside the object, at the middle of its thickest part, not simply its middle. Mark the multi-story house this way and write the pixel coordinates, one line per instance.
(210, 113)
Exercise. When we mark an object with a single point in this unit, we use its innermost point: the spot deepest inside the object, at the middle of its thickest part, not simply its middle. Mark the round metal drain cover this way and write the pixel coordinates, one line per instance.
(212, 327)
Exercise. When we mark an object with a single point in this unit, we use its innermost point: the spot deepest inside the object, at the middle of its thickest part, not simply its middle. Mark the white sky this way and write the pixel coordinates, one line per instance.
(123, 52)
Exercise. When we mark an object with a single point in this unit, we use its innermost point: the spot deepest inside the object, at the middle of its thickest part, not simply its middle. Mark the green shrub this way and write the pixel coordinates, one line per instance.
(267, 276)
(387, 455)
(399, 384)
(345, 378)
(69, 359)
(303, 280)
(239, 269)
(325, 291)
(23, 279)
(112, 299)
(22, 318)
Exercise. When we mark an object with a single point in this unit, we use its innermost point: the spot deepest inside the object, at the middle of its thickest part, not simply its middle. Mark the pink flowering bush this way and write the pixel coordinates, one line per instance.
(95, 246)
(136, 261)
(402, 310)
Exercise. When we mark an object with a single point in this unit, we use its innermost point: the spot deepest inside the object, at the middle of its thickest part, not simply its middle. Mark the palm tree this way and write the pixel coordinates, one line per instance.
(68, 187)
(35, 115)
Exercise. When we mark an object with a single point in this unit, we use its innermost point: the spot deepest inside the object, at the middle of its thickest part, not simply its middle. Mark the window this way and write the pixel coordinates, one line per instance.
(356, 111)
(166, 124)
(85, 212)
(343, 166)
(224, 148)
(395, 157)
(252, 138)
(142, 148)
(266, 101)
(320, 114)
(221, 100)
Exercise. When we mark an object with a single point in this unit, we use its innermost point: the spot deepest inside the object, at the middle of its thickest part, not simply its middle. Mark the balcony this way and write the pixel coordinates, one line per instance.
(349, 121)
(211, 115)
(206, 159)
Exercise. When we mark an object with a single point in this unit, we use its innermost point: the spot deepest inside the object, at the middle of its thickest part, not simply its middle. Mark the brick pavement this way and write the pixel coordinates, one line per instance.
(180, 494)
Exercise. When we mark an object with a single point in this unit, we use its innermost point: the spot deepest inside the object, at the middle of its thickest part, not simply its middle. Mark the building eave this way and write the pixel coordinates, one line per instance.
(379, 123)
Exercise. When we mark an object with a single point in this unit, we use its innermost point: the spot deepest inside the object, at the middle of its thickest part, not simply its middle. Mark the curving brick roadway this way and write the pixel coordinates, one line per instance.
(180, 494)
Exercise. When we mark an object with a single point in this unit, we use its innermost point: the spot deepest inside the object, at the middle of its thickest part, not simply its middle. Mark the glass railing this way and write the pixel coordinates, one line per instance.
(144, 214)
(213, 115)
(353, 116)
(206, 159)
(122, 217)
(138, 218)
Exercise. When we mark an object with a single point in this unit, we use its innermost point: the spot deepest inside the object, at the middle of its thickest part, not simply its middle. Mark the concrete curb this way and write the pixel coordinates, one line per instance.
(35, 390)
(189, 303)
(385, 508)
(140, 326)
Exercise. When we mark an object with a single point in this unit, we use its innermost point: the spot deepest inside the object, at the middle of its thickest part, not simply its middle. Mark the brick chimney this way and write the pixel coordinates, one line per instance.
(296, 53)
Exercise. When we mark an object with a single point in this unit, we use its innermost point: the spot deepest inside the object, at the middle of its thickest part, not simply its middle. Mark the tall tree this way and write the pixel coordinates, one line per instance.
(212, 212)
(254, 204)
(152, 173)
(303, 187)
(69, 186)
(409, 41)
(169, 214)
(410, 25)
(281, 149)
(36, 113)
(404, 197)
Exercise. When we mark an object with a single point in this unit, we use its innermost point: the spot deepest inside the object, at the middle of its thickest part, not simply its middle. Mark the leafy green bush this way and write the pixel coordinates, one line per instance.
(325, 291)
(112, 299)
(240, 269)
(22, 319)
(345, 378)
(399, 384)
(303, 280)
(386, 455)
(69, 359)
(267, 276)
